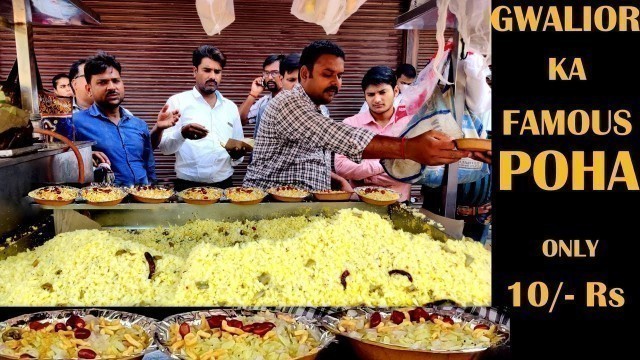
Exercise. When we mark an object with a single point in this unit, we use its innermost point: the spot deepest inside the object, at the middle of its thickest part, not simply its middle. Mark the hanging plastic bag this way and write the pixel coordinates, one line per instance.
(435, 114)
(215, 15)
(415, 96)
(329, 14)
(473, 24)
(477, 91)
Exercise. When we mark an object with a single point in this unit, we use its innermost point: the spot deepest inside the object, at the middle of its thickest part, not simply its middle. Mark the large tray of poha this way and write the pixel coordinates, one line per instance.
(348, 259)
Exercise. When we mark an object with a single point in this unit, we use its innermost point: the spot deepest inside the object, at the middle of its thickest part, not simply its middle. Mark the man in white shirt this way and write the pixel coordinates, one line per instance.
(207, 121)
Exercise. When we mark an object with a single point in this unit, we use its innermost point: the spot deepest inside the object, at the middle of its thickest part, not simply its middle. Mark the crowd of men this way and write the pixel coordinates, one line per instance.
(295, 138)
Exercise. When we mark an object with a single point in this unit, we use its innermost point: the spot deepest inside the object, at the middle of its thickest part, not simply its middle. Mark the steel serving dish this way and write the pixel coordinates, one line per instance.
(144, 216)
(194, 317)
(371, 350)
(127, 319)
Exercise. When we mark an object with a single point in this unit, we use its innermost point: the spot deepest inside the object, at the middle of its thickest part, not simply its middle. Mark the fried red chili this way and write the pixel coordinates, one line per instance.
(401, 272)
(152, 264)
(343, 279)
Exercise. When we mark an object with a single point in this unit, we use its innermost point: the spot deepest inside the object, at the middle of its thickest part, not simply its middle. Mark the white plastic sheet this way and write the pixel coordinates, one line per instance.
(474, 26)
(477, 91)
(215, 15)
(416, 96)
(329, 14)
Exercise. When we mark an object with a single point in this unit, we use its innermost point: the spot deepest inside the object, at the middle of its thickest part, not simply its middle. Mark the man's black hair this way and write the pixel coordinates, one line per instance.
(208, 51)
(313, 51)
(55, 79)
(271, 59)
(407, 70)
(100, 63)
(75, 68)
(290, 63)
(379, 75)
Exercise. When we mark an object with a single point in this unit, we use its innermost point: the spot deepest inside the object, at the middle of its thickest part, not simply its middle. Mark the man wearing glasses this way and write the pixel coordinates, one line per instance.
(82, 98)
(251, 109)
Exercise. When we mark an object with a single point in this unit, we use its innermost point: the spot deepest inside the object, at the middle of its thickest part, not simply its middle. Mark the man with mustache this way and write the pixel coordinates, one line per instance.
(251, 109)
(288, 67)
(82, 100)
(295, 141)
(123, 138)
(289, 70)
(207, 121)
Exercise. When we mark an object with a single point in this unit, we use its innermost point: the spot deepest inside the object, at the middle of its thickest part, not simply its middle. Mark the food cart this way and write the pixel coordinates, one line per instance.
(76, 13)
(26, 168)
(133, 217)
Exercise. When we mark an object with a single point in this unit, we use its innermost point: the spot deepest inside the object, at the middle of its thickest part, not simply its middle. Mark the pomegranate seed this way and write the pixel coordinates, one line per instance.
(86, 354)
(81, 333)
(397, 317)
(184, 329)
(375, 320)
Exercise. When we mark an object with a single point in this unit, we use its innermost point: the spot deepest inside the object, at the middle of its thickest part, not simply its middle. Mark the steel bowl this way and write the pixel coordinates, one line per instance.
(127, 319)
(283, 198)
(245, 202)
(194, 317)
(379, 351)
(148, 200)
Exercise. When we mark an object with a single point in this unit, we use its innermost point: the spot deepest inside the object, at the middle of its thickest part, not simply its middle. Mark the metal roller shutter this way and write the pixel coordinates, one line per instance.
(428, 46)
(154, 39)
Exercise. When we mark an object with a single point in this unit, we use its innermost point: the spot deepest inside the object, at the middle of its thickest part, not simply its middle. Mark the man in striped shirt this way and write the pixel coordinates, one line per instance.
(295, 141)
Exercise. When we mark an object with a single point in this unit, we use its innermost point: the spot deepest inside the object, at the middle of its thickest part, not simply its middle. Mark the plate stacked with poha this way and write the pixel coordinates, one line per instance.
(240, 335)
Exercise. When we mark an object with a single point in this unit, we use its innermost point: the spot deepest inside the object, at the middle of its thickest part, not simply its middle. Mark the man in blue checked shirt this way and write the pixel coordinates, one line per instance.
(122, 137)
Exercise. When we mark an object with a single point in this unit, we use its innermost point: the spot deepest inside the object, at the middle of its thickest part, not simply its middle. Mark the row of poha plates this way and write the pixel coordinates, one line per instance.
(163, 194)
(323, 331)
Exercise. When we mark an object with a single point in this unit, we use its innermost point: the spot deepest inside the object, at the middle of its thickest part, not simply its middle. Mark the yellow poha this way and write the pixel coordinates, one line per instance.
(286, 262)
